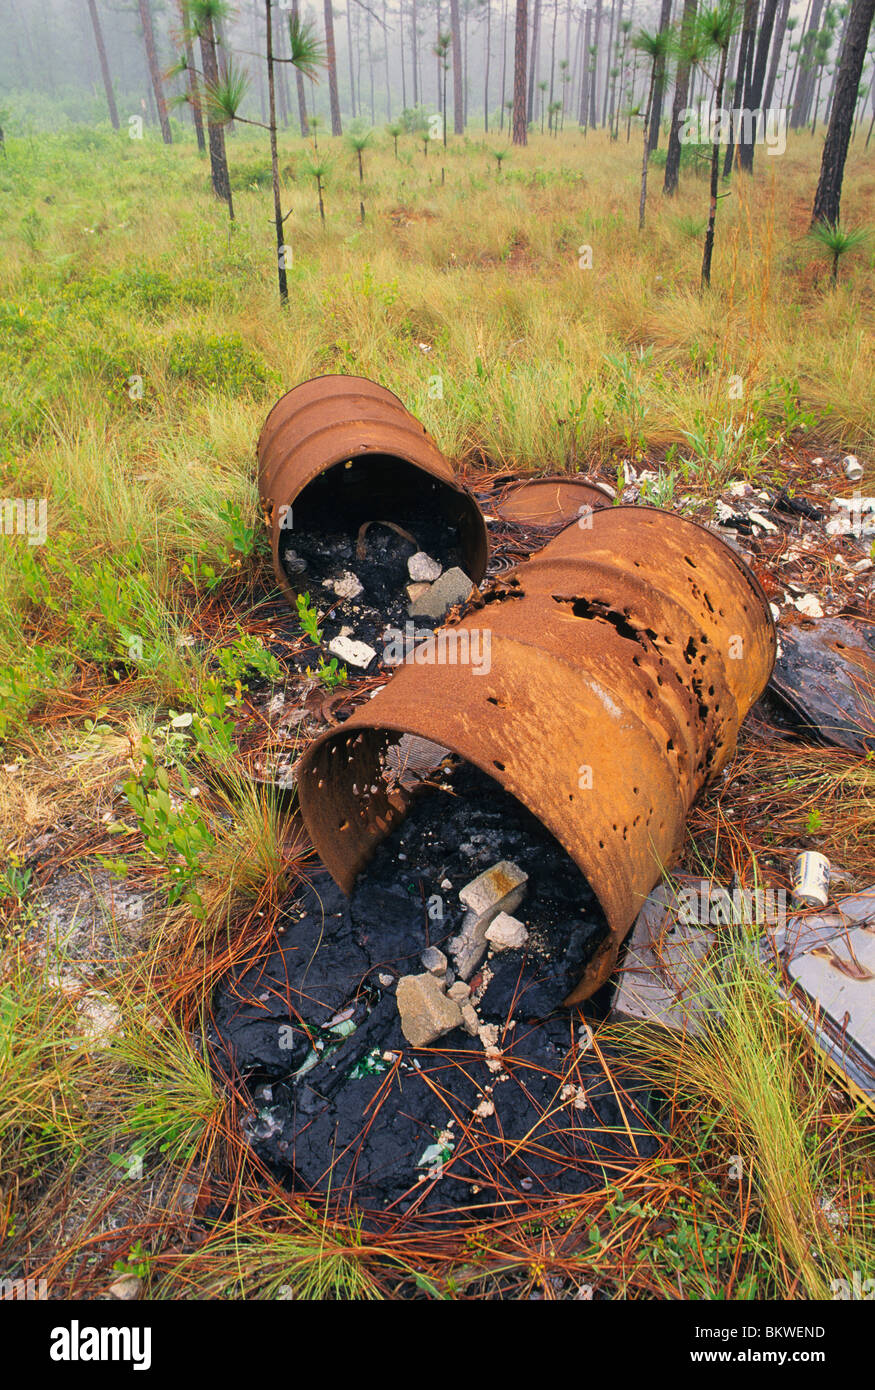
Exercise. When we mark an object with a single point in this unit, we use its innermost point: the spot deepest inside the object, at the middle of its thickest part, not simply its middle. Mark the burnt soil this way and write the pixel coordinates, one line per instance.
(322, 545)
(361, 1120)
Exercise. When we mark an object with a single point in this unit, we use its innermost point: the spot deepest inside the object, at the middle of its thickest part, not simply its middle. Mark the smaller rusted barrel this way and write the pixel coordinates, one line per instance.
(550, 501)
(349, 441)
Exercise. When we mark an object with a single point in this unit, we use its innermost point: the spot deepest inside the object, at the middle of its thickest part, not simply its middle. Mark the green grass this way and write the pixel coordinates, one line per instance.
(141, 346)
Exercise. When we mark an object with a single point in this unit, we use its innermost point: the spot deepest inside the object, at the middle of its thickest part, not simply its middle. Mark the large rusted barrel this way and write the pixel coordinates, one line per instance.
(352, 441)
(623, 658)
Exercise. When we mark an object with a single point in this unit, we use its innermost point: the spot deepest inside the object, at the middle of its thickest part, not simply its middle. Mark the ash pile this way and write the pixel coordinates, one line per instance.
(406, 1048)
(370, 578)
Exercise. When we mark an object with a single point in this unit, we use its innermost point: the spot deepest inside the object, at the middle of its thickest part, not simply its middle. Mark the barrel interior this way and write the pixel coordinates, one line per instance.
(370, 790)
(377, 487)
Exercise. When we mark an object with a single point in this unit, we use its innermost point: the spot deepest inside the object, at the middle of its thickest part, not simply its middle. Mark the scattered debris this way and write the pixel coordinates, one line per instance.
(426, 1011)
(826, 676)
(422, 568)
(810, 879)
(353, 653)
(506, 933)
(826, 965)
(852, 468)
(453, 588)
(659, 978)
(493, 892)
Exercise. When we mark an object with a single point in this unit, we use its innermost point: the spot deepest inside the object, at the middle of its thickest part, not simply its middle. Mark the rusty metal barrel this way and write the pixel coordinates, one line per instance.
(622, 659)
(351, 441)
(549, 501)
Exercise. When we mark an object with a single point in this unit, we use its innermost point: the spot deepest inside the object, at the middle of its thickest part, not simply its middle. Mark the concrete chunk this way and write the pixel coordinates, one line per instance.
(496, 890)
(506, 933)
(423, 569)
(452, 588)
(435, 962)
(426, 1012)
(347, 586)
(352, 653)
(470, 1020)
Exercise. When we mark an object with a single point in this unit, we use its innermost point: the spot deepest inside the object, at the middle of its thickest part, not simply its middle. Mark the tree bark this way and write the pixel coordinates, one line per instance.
(642, 202)
(414, 45)
(519, 74)
(533, 59)
(274, 163)
(610, 61)
(331, 64)
(194, 100)
(681, 90)
(215, 133)
(777, 46)
(715, 176)
(486, 76)
(586, 74)
(827, 200)
(104, 65)
(748, 28)
(754, 90)
(458, 98)
(659, 83)
(299, 82)
(594, 76)
(805, 85)
(154, 70)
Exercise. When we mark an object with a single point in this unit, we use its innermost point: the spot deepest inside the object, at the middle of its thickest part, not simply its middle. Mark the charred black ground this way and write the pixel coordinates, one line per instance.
(323, 543)
(341, 1100)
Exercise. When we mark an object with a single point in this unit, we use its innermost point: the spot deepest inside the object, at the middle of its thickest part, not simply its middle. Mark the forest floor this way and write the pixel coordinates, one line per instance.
(518, 312)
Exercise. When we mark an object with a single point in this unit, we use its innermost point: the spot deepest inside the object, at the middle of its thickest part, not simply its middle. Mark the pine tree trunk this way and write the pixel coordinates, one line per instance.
(594, 76)
(754, 90)
(715, 177)
(748, 28)
(458, 98)
(519, 74)
(777, 46)
(610, 61)
(154, 70)
(299, 83)
(331, 65)
(533, 58)
(414, 46)
(274, 162)
(104, 65)
(642, 202)
(681, 91)
(827, 200)
(586, 75)
(215, 133)
(386, 58)
(486, 76)
(194, 100)
(503, 63)
(659, 85)
(805, 85)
